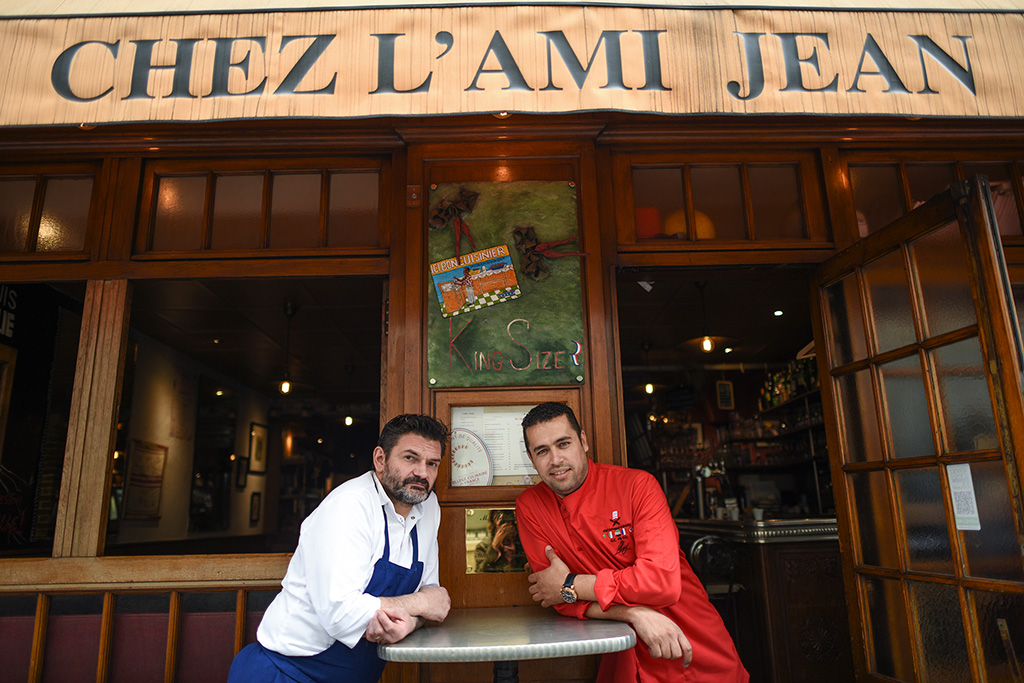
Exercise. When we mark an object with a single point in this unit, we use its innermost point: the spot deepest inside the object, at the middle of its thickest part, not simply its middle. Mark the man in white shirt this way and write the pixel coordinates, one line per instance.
(365, 570)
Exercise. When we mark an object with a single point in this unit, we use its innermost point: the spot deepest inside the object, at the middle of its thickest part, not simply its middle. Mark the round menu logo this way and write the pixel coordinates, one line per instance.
(471, 463)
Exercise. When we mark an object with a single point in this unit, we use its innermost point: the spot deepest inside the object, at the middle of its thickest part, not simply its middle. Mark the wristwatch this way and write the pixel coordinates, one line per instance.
(568, 592)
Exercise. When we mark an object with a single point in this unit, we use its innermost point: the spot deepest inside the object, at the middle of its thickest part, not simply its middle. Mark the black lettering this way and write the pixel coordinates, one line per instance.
(306, 61)
(885, 69)
(386, 66)
(964, 74)
(143, 66)
(755, 68)
(60, 74)
(791, 58)
(652, 59)
(222, 66)
(612, 55)
(508, 65)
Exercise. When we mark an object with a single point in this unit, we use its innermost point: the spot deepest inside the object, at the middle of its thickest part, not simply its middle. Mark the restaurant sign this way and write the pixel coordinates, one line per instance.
(453, 60)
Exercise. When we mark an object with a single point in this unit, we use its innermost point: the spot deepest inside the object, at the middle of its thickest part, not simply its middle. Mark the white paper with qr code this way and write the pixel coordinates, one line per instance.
(965, 504)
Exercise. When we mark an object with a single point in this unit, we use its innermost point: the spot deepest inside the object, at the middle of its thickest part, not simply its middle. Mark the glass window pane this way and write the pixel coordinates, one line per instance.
(15, 213)
(890, 650)
(775, 195)
(942, 653)
(860, 418)
(17, 626)
(845, 322)
(965, 406)
(65, 214)
(139, 639)
(204, 363)
(928, 180)
(1004, 195)
(891, 314)
(660, 203)
(39, 331)
(352, 221)
(237, 212)
(992, 552)
(718, 195)
(924, 520)
(178, 225)
(295, 210)
(877, 197)
(874, 519)
(206, 640)
(72, 636)
(256, 603)
(906, 408)
(945, 280)
(1000, 618)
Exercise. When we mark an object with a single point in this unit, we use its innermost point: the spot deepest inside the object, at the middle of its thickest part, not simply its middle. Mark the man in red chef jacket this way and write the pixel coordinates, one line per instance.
(604, 546)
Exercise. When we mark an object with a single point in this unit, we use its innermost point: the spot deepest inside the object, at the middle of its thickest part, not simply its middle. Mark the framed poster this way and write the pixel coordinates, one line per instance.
(724, 395)
(505, 303)
(254, 508)
(257, 448)
(145, 480)
(241, 472)
(487, 449)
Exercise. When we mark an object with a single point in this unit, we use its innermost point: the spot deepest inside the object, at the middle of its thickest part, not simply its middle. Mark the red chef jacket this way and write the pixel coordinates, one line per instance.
(618, 526)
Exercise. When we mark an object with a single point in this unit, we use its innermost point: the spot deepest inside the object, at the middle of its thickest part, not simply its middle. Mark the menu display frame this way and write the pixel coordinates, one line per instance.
(501, 488)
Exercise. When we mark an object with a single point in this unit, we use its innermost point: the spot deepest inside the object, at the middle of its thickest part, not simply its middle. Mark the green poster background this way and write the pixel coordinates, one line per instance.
(474, 349)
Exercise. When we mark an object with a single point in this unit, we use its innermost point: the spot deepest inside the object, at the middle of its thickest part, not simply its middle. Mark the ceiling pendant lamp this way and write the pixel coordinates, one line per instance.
(285, 387)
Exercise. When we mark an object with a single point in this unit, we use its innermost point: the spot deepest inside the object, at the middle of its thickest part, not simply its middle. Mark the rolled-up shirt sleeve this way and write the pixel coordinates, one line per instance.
(339, 562)
(653, 580)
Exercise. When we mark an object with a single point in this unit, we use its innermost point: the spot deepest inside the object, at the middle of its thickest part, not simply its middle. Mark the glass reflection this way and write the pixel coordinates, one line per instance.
(940, 261)
(492, 542)
(892, 315)
(906, 406)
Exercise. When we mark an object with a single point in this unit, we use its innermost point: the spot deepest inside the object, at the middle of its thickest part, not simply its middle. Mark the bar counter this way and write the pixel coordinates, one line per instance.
(785, 604)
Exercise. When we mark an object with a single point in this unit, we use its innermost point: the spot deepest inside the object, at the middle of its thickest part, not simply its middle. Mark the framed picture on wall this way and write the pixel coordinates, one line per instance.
(724, 395)
(241, 472)
(257, 448)
(254, 508)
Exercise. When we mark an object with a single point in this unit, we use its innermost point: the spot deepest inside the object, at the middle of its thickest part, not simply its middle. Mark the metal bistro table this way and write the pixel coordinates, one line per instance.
(506, 635)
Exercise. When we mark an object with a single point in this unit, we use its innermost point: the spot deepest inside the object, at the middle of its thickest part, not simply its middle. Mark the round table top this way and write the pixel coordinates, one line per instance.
(499, 634)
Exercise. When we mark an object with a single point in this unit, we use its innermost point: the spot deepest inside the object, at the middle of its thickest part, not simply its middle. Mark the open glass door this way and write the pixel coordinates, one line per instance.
(916, 331)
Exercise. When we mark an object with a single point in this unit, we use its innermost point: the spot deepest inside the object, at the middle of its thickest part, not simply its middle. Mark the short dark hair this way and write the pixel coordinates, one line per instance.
(420, 425)
(546, 412)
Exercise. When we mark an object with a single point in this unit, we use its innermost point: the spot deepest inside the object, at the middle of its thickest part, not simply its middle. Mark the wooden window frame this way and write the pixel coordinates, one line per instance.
(42, 173)
(811, 187)
(324, 166)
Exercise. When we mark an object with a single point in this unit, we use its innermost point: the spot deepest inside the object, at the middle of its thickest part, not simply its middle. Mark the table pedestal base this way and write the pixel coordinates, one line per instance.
(506, 672)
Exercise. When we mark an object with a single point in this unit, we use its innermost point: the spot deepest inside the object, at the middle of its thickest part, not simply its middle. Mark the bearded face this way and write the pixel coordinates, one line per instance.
(404, 487)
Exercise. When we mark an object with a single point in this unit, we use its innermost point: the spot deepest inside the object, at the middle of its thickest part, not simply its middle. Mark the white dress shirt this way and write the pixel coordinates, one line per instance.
(322, 598)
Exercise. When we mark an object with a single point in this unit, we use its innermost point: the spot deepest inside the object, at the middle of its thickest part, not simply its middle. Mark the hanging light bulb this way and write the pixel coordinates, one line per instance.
(707, 344)
(649, 388)
(285, 387)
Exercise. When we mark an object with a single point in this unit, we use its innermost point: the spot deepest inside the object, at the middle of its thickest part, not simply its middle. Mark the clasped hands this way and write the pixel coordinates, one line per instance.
(661, 635)
(401, 615)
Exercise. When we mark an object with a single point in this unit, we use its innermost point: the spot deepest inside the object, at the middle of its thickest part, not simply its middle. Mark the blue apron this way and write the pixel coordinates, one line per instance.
(257, 664)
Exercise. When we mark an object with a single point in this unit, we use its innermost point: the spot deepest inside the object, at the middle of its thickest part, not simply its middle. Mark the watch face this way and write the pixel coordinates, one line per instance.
(568, 595)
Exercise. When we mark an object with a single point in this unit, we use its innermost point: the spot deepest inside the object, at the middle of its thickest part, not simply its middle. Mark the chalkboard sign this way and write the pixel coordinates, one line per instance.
(505, 305)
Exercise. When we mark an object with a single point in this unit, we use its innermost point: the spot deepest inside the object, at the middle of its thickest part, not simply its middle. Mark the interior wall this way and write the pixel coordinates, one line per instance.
(152, 411)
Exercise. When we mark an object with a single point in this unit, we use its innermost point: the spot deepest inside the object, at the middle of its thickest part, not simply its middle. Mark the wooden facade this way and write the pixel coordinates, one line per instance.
(598, 152)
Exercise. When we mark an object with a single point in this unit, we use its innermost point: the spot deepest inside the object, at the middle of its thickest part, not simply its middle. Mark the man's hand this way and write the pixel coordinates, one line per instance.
(430, 602)
(546, 585)
(435, 603)
(391, 625)
(662, 636)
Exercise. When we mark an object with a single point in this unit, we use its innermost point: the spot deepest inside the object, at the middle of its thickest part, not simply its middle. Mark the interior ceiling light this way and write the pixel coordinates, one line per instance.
(285, 387)
(778, 313)
(706, 342)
